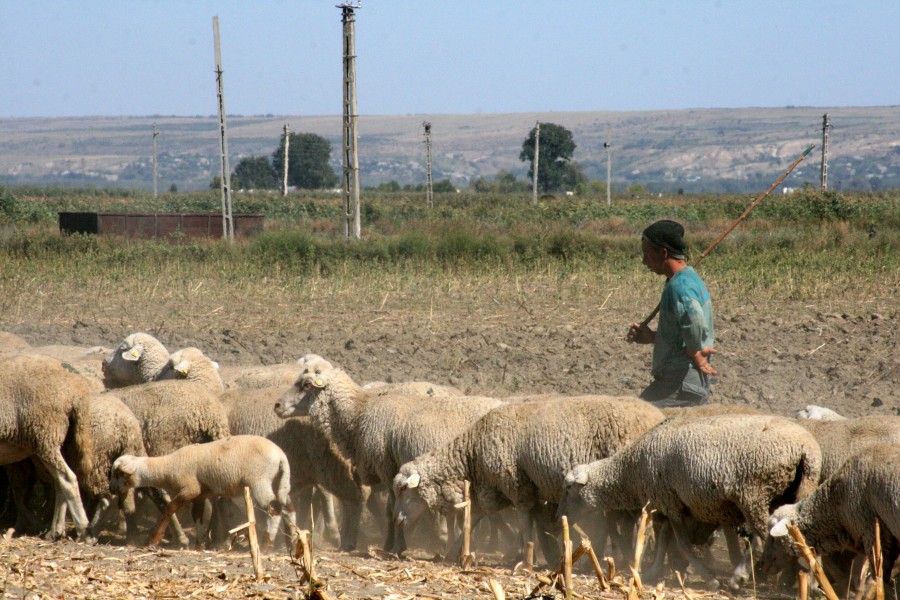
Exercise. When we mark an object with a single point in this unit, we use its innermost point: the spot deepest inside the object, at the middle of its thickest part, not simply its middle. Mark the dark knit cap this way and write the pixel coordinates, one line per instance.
(667, 234)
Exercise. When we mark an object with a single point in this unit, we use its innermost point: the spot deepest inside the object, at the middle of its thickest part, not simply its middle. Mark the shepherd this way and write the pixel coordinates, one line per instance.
(684, 340)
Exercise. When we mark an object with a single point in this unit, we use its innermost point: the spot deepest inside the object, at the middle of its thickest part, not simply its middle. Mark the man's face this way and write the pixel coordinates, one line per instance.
(653, 256)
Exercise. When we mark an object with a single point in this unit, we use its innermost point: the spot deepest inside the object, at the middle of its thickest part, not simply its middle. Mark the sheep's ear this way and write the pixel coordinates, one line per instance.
(780, 528)
(413, 481)
(183, 368)
(580, 477)
(124, 465)
(134, 353)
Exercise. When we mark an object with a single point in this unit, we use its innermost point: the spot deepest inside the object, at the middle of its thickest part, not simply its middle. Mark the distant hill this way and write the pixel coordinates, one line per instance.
(702, 150)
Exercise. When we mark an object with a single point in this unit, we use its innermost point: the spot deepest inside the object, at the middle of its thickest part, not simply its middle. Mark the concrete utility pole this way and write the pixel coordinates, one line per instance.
(351, 133)
(225, 183)
(826, 125)
(155, 133)
(608, 147)
(284, 177)
(537, 156)
(429, 188)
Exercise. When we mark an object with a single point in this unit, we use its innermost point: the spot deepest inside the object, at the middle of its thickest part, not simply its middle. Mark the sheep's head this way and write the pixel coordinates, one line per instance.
(311, 361)
(191, 364)
(410, 492)
(571, 503)
(778, 551)
(123, 475)
(138, 359)
(819, 413)
(297, 401)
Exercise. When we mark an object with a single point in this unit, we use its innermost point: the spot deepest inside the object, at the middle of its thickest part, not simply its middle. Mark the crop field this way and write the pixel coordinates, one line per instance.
(492, 294)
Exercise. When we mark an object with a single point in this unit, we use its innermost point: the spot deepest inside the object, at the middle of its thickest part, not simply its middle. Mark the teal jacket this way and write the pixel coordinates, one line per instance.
(685, 322)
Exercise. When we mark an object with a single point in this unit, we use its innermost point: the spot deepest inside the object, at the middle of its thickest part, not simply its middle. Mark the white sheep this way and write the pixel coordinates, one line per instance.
(378, 433)
(518, 455)
(720, 470)
(818, 413)
(840, 514)
(138, 359)
(221, 469)
(41, 404)
(266, 376)
(314, 459)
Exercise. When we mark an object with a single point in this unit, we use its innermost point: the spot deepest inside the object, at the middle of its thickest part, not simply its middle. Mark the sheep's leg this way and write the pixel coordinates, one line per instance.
(543, 517)
(325, 503)
(663, 539)
(733, 542)
(523, 519)
(66, 486)
(102, 513)
(170, 510)
(162, 499)
(396, 541)
(202, 512)
(351, 514)
(683, 539)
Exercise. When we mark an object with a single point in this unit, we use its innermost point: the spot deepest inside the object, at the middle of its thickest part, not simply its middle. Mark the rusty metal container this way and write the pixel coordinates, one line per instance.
(172, 226)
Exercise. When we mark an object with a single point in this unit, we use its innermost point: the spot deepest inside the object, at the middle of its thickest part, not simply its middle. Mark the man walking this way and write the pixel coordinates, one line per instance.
(684, 340)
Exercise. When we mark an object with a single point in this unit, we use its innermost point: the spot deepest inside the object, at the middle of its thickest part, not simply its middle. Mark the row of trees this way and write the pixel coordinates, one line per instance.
(309, 168)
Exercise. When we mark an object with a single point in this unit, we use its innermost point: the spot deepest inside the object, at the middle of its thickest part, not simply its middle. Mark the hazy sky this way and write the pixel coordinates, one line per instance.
(146, 57)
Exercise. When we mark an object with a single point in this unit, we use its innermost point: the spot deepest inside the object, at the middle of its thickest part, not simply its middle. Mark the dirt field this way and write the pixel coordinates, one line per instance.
(774, 357)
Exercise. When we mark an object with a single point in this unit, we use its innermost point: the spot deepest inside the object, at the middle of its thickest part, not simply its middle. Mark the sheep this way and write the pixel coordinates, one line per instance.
(221, 468)
(839, 440)
(721, 470)
(314, 459)
(840, 514)
(518, 455)
(41, 404)
(251, 378)
(378, 433)
(818, 413)
(411, 388)
(138, 359)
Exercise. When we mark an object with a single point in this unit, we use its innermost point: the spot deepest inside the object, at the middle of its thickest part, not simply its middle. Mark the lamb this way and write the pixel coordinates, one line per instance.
(138, 359)
(842, 439)
(378, 433)
(314, 459)
(518, 455)
(220, 468)
(721, 470)
(41, 405)
(818, 413)
(840, 514)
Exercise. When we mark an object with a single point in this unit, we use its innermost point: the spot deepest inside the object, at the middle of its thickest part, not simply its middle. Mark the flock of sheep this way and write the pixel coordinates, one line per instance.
(99, 425)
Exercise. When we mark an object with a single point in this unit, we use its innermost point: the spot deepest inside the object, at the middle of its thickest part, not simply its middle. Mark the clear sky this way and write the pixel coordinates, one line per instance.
(148, 57)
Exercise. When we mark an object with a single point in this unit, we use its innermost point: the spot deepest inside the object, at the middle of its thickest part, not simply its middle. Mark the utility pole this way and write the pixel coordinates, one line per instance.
(826, 125)
(608, 147)
(225, 183)
(351, 134)
(284, 177)
(537, 155)
(155, 133)
(429, 188)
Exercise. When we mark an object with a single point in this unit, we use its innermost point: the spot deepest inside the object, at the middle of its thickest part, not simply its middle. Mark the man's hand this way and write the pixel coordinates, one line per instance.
(701, 360)
(640, 333)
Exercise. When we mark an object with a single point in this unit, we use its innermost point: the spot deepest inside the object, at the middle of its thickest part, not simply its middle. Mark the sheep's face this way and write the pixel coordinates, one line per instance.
(410, 503)
(571, 503)
(123, 475)
(297, 401)
(121, 366)
(779, 552)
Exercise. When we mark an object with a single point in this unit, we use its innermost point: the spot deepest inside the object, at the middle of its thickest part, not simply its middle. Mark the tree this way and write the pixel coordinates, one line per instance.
(308, 166)
(254, 173)
(556, 148)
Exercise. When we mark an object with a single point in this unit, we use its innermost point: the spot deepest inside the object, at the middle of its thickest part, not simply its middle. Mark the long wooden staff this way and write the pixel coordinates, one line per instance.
(743, 216)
